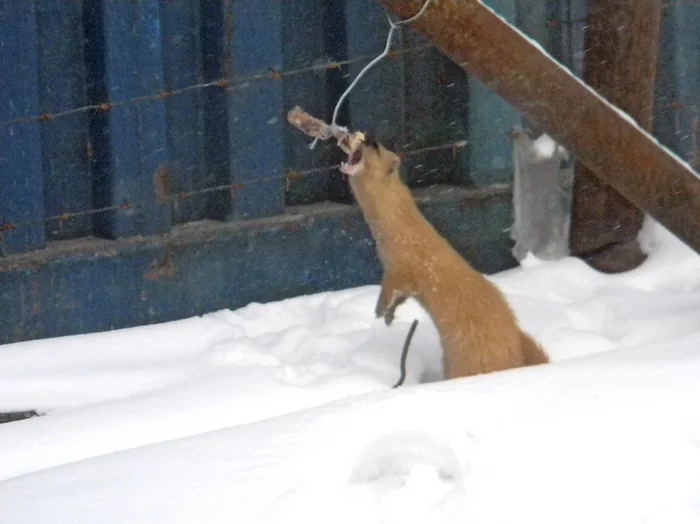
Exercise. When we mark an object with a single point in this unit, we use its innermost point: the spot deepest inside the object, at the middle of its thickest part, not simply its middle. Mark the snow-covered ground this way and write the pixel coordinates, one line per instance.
(284, 412)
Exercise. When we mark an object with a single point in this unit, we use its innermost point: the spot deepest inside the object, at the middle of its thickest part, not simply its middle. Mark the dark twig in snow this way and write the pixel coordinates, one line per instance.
(404, 353)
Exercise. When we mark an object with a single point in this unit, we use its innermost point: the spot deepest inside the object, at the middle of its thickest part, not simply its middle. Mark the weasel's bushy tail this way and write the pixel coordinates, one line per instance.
(532, 352)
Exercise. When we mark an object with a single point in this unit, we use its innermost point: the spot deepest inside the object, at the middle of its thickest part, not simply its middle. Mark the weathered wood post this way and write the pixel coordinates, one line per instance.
(622, 40)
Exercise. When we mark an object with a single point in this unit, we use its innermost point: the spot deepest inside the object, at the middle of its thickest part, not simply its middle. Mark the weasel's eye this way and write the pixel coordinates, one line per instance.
(371, 140)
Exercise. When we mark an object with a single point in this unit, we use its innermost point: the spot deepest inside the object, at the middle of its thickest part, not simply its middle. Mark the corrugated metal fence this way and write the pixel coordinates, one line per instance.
(132, 121)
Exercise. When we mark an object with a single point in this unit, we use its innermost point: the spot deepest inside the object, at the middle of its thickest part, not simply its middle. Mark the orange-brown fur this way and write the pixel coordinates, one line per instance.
(478, 330)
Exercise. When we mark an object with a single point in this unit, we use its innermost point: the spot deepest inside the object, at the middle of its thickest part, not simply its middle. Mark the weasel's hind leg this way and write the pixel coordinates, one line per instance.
(532, 352)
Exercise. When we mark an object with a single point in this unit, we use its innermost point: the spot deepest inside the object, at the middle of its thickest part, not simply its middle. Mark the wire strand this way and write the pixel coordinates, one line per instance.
(290, 176)
(393, 26)
(222, 83)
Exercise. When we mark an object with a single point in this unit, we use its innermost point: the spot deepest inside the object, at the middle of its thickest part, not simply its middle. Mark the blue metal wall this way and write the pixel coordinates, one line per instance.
(147, 171)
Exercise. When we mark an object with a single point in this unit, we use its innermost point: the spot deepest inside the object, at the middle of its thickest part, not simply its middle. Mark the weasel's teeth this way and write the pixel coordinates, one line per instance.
(346, 168)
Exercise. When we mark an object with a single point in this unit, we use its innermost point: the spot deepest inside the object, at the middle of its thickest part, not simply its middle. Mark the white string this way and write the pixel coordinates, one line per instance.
(393, 26)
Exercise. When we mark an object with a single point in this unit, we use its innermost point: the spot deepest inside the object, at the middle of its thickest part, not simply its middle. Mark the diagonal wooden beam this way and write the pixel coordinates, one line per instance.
(606, 140)
(622, 40)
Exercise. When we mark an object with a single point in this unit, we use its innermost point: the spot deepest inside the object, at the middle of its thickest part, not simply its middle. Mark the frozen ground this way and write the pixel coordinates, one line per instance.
(283, 412)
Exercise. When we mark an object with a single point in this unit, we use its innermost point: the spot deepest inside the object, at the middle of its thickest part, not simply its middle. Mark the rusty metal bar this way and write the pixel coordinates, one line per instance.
(608, 142)
(622, 41)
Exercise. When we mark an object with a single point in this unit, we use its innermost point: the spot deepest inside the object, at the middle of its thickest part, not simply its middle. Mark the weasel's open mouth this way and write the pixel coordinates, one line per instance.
(351, 166)
(355, 157)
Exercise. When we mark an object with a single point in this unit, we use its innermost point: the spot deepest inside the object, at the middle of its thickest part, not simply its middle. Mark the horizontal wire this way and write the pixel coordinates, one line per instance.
(290, 177)
(222, 83)
(226, 83)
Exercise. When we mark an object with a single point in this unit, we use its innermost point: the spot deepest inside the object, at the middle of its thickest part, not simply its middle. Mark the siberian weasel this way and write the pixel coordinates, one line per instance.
(478, 330)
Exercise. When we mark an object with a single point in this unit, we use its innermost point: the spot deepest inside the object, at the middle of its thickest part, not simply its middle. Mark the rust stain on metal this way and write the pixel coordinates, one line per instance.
(296, 225)
(163, 184)
(36, 289)
(234, 189)
(293, 177)
(163, 269)
(228, 37)
(694, 149)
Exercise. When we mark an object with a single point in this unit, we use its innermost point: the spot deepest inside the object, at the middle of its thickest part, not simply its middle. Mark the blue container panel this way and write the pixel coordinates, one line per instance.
(376, 103)
(256, 111)
(491, 121)
(21, 179)
(677, 122)
(182, 71)
(215, 18)
(305, 60)
(128, 134)
(64, 137)
(436, 116)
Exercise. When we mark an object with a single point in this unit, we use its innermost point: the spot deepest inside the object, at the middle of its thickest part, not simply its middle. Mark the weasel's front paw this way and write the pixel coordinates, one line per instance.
(389, 316)
(382, 310)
